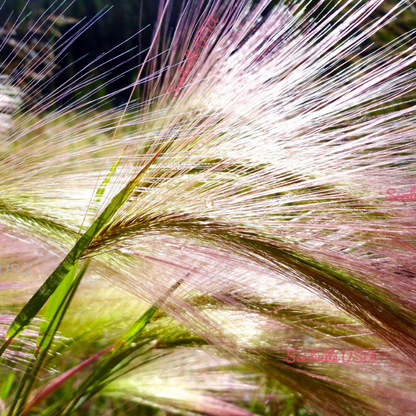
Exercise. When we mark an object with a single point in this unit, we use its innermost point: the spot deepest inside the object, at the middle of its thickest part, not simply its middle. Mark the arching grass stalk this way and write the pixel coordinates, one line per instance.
(34, 305)
(58, 305)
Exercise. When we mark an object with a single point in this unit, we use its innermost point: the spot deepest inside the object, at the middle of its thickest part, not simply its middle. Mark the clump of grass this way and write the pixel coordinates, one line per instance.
(244, 225)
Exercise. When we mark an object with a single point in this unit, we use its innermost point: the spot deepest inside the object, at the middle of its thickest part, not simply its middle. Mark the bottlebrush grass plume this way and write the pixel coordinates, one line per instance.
(263, 191)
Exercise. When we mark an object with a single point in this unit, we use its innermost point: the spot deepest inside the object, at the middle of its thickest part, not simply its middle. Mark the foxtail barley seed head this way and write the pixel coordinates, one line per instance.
(267, 201)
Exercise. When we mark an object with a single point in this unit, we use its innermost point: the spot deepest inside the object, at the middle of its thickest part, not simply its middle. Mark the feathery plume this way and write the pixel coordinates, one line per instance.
(262, 188)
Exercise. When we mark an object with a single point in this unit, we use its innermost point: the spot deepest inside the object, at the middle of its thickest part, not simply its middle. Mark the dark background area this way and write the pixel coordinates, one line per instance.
(119, 21)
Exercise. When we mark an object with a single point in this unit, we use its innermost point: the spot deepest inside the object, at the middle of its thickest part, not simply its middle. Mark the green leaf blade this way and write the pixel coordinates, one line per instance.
(38, 300)
(52, 308)
(138, 326)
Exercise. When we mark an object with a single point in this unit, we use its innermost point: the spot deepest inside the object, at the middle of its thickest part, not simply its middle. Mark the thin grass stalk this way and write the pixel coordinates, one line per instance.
(34, 305)
(32, 371)
(116, 361)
